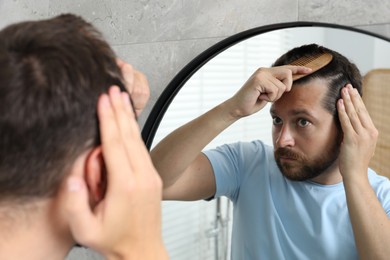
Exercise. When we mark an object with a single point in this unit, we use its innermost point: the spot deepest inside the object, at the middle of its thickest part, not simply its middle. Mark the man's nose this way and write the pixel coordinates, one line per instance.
(285, 138)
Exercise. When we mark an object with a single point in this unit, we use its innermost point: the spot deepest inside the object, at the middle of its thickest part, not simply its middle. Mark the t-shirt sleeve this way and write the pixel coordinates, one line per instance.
(381, 186)
(224, 161)
(233, 163)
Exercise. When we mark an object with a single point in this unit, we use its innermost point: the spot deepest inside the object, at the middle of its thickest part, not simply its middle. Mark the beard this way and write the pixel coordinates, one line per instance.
(298, 167)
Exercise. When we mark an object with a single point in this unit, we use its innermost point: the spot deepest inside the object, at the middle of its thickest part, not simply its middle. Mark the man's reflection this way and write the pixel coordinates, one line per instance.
(312, 195)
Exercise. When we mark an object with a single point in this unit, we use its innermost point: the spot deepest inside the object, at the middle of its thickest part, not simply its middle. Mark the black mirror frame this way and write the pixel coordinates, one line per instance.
(160, 107)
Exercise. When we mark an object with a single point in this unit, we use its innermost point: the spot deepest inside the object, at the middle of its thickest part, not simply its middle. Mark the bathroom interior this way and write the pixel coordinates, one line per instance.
(197, 53)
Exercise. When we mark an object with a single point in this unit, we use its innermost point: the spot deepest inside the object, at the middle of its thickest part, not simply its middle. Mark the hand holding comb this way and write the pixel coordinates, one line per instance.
(314, 62)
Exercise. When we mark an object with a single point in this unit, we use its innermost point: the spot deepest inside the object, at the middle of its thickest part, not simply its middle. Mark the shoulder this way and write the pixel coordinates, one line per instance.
(243, 156)
(381, 186)
(244, 149)
(377, 180)
(255, 145)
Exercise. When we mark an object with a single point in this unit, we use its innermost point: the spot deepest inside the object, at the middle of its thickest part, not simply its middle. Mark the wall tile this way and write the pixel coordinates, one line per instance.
(79, 253)
(167, 20)
(161, 61)
(382, 29)
(347, 12)
(12, 11)
(104, 14)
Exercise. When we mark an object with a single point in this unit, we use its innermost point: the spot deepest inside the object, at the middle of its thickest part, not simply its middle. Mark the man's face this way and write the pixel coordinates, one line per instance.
(305, 137)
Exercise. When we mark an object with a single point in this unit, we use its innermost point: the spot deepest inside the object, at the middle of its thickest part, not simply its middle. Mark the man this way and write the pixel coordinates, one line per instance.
(73, 168)
(311, 195)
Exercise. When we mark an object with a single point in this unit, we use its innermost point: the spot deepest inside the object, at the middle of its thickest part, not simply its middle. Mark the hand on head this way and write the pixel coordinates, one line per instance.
(265, 85)
(136, 84)
(127, 221)
(360, 134)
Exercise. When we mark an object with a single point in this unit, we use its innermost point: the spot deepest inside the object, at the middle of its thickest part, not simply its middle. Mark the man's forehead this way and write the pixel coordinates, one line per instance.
(302, 98)
(293, 111)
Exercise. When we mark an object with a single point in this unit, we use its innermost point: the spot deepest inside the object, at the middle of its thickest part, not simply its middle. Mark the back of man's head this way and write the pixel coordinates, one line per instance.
(339, 72)
(51, 74)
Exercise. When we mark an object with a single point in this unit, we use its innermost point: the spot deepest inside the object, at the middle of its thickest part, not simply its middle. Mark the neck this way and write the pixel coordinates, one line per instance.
(330, 176)
(32, 232)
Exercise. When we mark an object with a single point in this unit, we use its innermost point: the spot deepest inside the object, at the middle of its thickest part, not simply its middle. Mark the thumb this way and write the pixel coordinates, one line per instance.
(78, 211)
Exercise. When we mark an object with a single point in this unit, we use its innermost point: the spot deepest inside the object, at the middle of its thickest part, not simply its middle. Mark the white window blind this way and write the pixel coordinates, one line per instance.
(188, 226)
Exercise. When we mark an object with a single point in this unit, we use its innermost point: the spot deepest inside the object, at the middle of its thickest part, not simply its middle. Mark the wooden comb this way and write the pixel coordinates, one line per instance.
(315, 63)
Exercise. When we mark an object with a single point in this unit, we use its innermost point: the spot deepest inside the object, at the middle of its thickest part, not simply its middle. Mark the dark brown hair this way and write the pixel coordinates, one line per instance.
(339, 72)
(51, 74)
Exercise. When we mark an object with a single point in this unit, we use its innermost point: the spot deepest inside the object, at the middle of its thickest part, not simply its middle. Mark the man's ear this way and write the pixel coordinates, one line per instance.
(95, 175)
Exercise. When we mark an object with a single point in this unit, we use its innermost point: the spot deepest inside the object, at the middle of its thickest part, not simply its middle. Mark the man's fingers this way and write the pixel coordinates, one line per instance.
(125, 119)
(119, 62)
(354, 111)
(136, 84)
(128, 75)
(114, 152)
(350, 110)
(140, 93)
(123, 148)
(298, 69)
(78, 212)
(273, 90)
(285, 75)
(345, 122)
(293, 70)
(130, 132)
(360, 108)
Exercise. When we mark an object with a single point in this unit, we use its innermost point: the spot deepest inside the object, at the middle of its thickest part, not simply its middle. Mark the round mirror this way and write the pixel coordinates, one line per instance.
(220, 71)
(214, 76)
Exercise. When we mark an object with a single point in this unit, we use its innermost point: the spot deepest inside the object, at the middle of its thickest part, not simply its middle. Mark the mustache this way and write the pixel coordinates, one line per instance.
(286, 152)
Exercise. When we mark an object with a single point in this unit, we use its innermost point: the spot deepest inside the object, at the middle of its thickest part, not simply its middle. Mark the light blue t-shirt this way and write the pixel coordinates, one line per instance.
(275, 218)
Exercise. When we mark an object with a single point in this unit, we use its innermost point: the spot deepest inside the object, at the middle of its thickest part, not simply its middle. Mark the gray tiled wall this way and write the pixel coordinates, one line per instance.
(160, 37)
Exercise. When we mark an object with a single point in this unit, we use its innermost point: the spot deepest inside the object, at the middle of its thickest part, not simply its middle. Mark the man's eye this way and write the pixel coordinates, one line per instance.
(303, 122)
(277, 121)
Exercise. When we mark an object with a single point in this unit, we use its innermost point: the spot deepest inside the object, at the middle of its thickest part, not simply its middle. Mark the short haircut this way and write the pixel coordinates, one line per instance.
(51, 75)
(339, 72)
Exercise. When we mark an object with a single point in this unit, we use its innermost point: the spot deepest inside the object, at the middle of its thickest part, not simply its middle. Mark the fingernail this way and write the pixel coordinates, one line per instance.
(126, 98)
(115, 91)
(104, 100)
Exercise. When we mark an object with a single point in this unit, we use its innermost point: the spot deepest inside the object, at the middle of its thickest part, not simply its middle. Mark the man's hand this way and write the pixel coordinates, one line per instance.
(360, 135)
(370, 223)
(136, 84)
(265, 85)
(126, 224)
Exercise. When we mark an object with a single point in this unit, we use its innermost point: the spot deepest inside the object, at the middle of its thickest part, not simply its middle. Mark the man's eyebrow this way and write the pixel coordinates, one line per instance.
(124, 89)
(272, 111)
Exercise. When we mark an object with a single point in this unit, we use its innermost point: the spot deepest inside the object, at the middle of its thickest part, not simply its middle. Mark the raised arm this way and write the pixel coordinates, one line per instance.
(371, 225)
(186, 172)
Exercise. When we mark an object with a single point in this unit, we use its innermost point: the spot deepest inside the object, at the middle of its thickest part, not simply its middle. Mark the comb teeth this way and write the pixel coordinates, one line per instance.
(315, 63)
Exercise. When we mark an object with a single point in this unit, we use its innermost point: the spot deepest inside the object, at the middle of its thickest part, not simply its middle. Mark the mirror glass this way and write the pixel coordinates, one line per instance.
(201, 230)
(224, 74)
